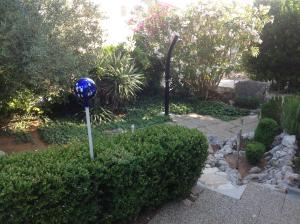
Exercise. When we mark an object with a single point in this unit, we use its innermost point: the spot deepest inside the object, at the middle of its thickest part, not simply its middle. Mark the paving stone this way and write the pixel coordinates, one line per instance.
(213, 126)
(291, 210)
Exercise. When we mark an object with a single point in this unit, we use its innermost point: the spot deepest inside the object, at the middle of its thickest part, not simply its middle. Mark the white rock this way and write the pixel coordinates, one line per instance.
(219, 156)
(289, 141)
(292, 177)
(255, 170)
(210, 149)
(273, 150)
(248, 136)
(226, 150)
(214, 140)
(286, 169)
(259, 177)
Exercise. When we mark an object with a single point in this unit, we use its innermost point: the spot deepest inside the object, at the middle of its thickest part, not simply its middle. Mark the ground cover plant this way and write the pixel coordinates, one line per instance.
(62, 185)
(143, 113)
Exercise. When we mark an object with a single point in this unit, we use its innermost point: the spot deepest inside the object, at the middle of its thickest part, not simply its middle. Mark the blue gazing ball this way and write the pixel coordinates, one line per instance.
(85, 88)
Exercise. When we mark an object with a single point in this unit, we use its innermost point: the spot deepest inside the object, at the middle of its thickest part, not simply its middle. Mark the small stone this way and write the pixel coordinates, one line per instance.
(286, 169)
(187, 202)
(292, 177)
(196, 190)
(248, 136)
(210, 149)
(256, 177)
(226, 150)
(211, 160)
(219, 156)
(221, 163)
(255, 170)
(193, 197)
(242, 153)
(277, 140)
(268, 158)
(214, 140)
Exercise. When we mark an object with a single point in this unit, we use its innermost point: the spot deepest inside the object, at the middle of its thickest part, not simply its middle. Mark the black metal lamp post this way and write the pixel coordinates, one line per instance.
(168, 75)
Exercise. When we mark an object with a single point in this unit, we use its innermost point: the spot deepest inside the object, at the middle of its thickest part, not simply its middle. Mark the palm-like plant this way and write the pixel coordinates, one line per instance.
(118, 79)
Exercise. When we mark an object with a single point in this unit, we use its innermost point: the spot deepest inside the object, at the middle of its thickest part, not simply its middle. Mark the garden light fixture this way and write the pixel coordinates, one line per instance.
(85, 89)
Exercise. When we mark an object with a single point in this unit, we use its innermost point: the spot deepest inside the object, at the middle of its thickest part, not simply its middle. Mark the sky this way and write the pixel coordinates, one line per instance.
(117, 14)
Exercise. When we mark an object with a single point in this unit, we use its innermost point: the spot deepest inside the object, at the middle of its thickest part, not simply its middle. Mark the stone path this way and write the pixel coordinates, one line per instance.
(258, 205)
(216, 180)
(215, 127)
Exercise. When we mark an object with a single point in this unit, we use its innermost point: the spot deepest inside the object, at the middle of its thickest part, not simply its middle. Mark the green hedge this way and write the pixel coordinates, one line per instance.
(266, 131)
(131, 172)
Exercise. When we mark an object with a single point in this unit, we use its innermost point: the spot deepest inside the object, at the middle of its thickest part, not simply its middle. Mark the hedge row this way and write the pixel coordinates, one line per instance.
(131, 172)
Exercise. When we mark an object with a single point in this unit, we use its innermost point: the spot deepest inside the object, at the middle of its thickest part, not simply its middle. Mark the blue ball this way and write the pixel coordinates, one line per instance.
(85, 88)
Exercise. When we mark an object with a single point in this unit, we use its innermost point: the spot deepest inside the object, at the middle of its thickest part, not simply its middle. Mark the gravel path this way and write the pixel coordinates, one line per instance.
(258, 205)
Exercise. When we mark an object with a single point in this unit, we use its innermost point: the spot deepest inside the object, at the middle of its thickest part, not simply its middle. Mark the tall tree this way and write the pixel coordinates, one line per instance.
(279, 53)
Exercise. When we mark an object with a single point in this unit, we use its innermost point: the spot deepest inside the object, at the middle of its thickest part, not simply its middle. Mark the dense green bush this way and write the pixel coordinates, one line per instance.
(130, 172)
(43, 46)
(278, 57)
(255, 152)
(272, 109)
(266, 131)
(291, 115)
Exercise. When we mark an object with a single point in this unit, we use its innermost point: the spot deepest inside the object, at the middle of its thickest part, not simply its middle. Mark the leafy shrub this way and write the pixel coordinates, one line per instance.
(272, 109)
(255, 152)
(291, 115)
(24, 102)
(247, 102)
(219, 110)
(130, 172)
(266, 131)
(63, 132)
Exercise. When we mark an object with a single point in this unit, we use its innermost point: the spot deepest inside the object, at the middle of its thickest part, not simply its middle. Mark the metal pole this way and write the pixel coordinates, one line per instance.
(88, 124)
(168, 76)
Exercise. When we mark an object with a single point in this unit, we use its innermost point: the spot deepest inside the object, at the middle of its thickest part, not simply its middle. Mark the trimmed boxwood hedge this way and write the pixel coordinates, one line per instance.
(131, 172)
(266, 131)
(255, 152)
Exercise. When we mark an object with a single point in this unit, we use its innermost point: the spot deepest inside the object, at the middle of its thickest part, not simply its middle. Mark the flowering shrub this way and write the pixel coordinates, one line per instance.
(214, 36)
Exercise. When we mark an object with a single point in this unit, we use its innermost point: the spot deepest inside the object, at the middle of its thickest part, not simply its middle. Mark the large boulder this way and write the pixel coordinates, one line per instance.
(250, 89)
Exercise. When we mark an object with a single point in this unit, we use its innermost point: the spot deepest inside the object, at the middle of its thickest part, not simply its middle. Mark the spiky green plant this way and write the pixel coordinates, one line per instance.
(118, 79)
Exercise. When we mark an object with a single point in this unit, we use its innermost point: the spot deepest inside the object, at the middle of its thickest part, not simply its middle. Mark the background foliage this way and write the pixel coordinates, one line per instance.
(279, 56)
(214, 36)
(45, 45)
